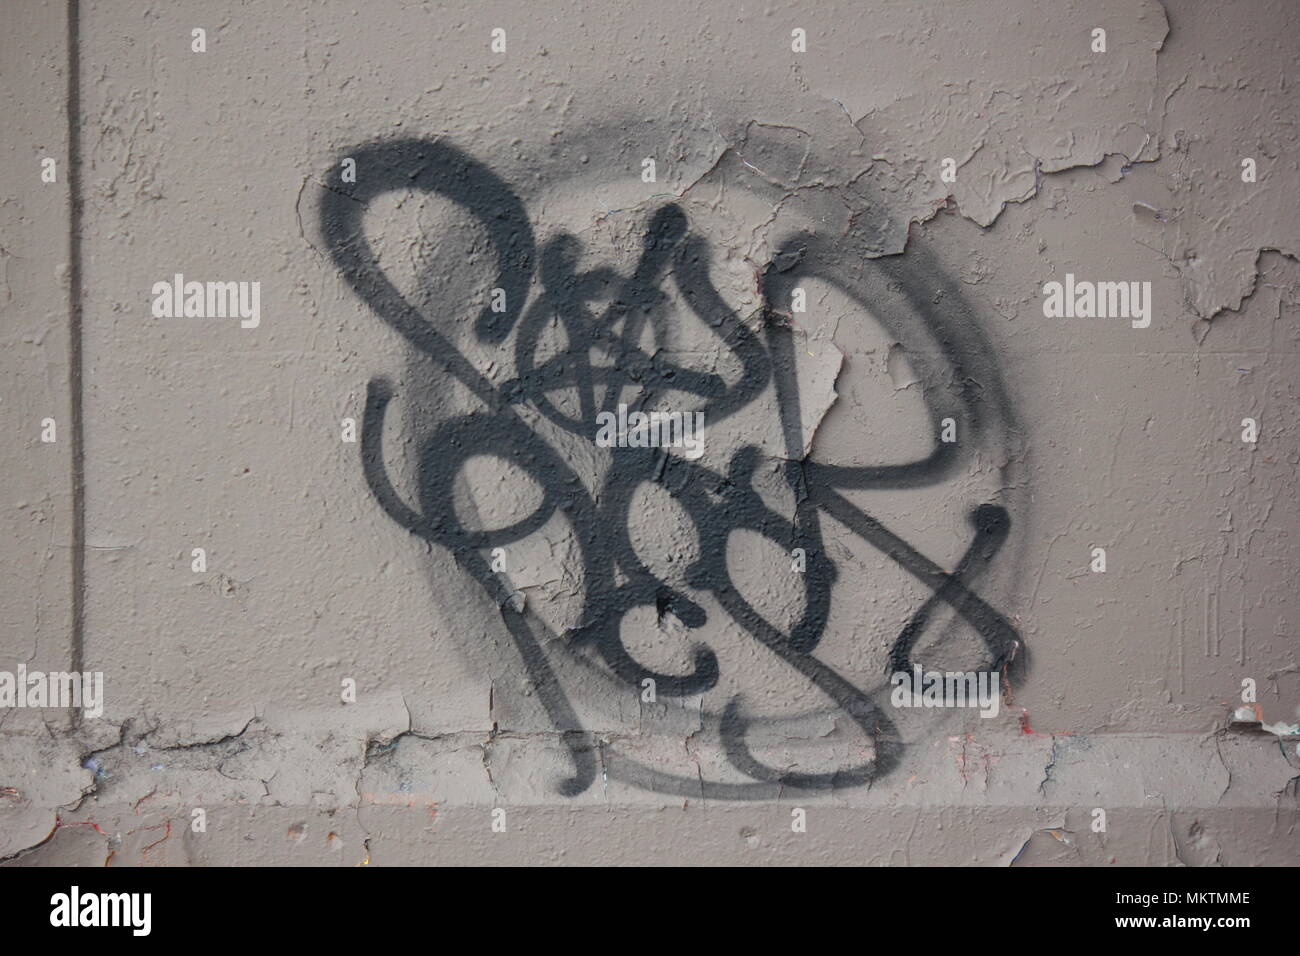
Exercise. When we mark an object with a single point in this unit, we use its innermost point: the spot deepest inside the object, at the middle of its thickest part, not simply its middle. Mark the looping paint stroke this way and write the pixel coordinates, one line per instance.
(615, 579)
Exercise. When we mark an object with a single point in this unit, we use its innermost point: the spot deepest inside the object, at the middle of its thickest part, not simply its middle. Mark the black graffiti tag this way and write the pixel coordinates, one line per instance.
(615, 580)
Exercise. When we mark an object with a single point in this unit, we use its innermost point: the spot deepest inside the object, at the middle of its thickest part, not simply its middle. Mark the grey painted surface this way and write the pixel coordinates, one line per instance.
(223, 687)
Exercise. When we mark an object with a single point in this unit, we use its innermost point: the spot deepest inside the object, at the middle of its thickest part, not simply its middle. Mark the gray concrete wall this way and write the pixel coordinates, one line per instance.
(496, 587)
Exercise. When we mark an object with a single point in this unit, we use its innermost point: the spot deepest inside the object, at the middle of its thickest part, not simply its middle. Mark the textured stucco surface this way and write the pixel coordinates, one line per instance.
(223, 687)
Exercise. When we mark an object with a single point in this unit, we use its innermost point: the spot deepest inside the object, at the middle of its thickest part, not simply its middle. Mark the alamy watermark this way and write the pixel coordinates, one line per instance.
(1098, 300)
(130, 910)
(626, 429)
(947, 689)
(208, 300)
(53, 689)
